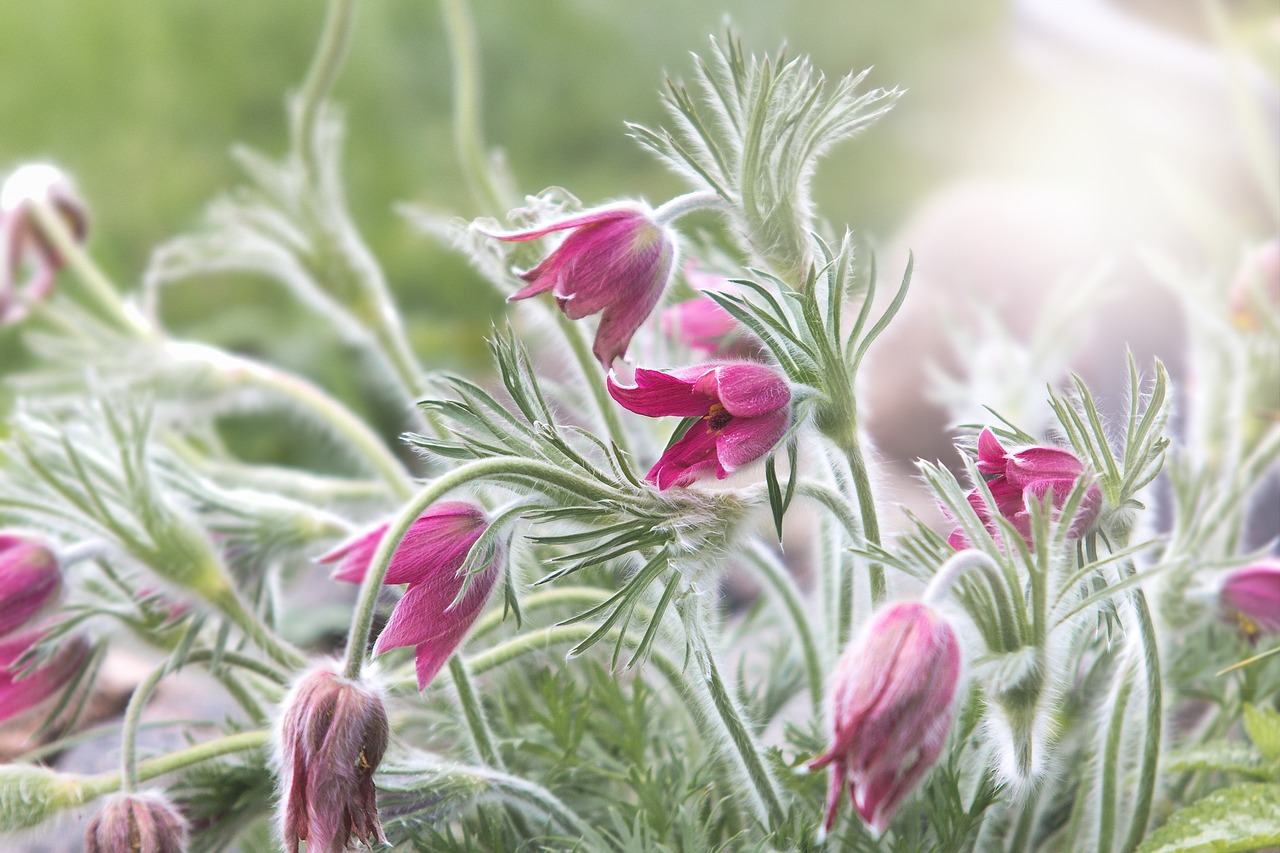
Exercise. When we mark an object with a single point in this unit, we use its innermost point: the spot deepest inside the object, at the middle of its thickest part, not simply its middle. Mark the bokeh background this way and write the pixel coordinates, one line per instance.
(1133, 109)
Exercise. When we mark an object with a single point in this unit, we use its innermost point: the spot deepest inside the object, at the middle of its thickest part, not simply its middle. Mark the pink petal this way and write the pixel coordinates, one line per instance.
(746, 388)
(744, 440)
(686, 460)
(1042, 463)
(591, 217)
(991, 454)
(658, 395)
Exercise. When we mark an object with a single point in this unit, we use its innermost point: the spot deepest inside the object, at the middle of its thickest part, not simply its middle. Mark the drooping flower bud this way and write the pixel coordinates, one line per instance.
(24, 687)
(136, 823)
(24, 245)
(1251, 594)
(702, 325)
(331, 738)
(616, 261)
(428, 560)
(1255, 292)
(30, 580)
(1030, 473)
(743, 411)
(890, 709)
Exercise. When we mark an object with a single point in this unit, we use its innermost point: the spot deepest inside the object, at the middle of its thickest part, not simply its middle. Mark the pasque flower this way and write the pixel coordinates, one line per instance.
(23, 687)
(129, 823)
(890, 709)
(1030, 473)
(743, 410)
(24, 245)
(1252, 595)
(701, 324)
(616, 261)
(428, 560)
(330, 740)
(30, 580)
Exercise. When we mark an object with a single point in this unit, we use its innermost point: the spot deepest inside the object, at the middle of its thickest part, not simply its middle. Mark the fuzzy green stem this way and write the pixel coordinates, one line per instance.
(477, 724)
(258, 631)
(325, 65)
(358, 639)
(776, 575)
(1111, 767)
(93, 787)
(852, 449)
(591, 374)
(1148, 771)
(586, 596)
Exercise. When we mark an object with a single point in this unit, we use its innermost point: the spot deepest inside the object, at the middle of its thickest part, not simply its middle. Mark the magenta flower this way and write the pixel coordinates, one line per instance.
(890, 709)
(128, 823)
(428, 560)
(1032, 472)
(30, 580)
(24, 246)
(23, 687)
(1252, 595)
(615, 262)
(330, 741)
(701, 324)
(743, 410)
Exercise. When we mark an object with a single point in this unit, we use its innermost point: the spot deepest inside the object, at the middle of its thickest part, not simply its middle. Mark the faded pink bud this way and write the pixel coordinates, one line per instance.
(616, 261)
(701, 324)
(24, 245)
(743, 411)
(1255, 292)
(890, 709)
(331, 739)
(1032, 472)
(30, 580)
(136, 823)
(428, 560)
(23, 687)
(1251, 594)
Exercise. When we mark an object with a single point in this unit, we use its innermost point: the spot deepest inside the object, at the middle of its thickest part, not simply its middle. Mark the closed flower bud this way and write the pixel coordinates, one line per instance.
(701, 324)
(24, 245)
(330, 740)
(616, 261)
(30, 580)
(428, 559)
(23, 687)
(890, 709)
(1028, 474)
(136, 823)
(1251, 594)
(743, 411)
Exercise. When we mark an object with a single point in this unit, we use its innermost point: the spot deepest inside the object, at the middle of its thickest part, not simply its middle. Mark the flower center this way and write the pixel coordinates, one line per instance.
(717, 418)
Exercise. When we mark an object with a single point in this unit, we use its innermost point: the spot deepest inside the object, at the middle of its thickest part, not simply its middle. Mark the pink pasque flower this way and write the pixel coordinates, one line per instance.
(30, 580)
(23, 242)
(428, 560)
(1252, 595)
(701, 324)
(23, 687)
(743, 410)
(128, 823)
(1032, 472)
(616, 261)
(330, 740)
(890, 709)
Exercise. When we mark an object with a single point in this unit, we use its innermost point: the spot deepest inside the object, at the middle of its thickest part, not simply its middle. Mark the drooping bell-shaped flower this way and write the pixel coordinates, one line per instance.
(702, 325)
(130, 823)
(615, 261)
(30, 580)
(1251, 594)
(23, 687)
(427, 559)
(24, 244)
(1030, 473)
(743, 411)
(331, 738)
(890, 709)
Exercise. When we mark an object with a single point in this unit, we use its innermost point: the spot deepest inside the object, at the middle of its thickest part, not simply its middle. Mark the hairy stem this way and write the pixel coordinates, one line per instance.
(325, 65)
(777, 576)
(477, 723)
(590, 368)
(468, 130)
(96, 786)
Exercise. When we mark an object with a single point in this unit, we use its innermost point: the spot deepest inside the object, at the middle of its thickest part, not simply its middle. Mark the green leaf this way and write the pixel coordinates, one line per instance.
(1240, 818)
(1263, 727)
(1219, 756)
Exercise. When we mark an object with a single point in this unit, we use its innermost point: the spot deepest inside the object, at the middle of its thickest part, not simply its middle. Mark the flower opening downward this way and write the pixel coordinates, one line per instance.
(128, 823)
(616, 261)
(30, 580)
(1251, 594)
(23, 687)
(743, 410)
(24, 243)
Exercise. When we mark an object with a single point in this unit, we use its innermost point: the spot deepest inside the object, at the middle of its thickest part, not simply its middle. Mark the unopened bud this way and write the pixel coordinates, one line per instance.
(30, 580)
(25, 245)
(136, 823)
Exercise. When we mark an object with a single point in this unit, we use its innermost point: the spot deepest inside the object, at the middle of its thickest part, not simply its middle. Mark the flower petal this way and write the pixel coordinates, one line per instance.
(744, 440)
(686, 460)
(991, 453)
(590, 217)
(659, 395)
(746, 388)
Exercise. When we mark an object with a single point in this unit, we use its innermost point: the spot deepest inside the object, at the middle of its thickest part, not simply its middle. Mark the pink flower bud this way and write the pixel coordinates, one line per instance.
(129, 823)
(23, 241)
(30, 580)
(890, 709)
(22, 687)
(701, 324)
(743, 411)
(1252, 595)
(616, 262)
(330, 741)
(428, 560)
(1030, 473)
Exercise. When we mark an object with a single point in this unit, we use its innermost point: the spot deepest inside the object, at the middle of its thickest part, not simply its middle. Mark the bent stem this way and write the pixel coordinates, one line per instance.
(477, 723)
(325, 65)
(93, 787)
(468, 131)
